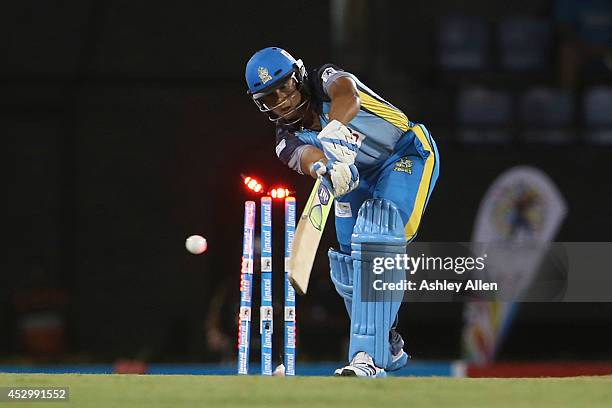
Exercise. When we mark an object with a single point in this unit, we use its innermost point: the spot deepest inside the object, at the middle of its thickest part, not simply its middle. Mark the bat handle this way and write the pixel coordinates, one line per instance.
(319, 168)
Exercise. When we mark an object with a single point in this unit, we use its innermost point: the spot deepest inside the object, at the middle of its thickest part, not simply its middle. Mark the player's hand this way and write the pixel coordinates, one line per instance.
(338, 142)
(340, 178)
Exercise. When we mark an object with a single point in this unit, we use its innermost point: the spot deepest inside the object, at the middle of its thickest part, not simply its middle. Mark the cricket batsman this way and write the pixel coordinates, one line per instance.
(380, 166)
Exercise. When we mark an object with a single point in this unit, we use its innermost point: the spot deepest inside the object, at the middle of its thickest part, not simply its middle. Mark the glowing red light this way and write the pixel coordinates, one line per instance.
(253, 184)
(279, 192)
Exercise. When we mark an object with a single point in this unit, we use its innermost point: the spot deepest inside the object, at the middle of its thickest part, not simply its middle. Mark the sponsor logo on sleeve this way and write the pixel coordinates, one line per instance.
(327, 73)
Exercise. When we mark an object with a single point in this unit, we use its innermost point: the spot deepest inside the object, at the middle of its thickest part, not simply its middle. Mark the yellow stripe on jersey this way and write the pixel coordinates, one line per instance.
(381, 109)
(421, 197)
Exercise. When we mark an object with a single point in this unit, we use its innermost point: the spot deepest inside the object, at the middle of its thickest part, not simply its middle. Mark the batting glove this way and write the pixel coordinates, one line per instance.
(339, 144)
(340, 178)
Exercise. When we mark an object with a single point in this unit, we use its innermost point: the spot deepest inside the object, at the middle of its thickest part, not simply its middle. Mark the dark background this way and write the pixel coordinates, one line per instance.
(127, 126)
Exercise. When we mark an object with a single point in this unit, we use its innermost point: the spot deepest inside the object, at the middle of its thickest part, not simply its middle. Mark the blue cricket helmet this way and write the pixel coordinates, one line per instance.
(267, 67)
(267, 70)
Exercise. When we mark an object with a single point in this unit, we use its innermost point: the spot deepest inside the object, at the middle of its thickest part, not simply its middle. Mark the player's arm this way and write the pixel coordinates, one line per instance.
(345, 101)
(339, 144)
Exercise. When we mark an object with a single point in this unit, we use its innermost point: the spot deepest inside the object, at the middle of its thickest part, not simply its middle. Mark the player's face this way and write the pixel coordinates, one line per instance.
(284, 99)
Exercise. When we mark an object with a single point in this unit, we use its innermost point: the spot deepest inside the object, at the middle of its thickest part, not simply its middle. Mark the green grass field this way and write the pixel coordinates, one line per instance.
(232, 391)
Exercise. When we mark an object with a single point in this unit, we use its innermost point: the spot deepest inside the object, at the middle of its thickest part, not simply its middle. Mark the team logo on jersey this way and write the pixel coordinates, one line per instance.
(264, 76)
(404, 164)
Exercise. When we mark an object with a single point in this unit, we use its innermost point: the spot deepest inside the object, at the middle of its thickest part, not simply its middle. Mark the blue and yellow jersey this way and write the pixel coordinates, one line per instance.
(378, 126)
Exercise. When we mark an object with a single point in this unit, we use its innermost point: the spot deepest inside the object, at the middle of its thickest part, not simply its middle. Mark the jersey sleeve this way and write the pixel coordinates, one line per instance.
(289, 148)
(325, 76)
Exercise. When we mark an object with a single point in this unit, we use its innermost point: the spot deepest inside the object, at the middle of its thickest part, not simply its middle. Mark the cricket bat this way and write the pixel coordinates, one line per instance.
(308, 235)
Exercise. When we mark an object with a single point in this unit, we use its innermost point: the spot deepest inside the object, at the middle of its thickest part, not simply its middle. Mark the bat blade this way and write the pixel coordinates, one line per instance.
(308, 236)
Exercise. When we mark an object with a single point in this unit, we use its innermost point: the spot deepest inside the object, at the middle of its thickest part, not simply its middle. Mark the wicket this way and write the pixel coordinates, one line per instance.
(246, 288)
